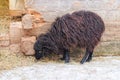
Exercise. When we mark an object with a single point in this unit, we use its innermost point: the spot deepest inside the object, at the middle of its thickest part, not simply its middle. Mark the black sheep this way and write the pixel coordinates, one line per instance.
(81, 29)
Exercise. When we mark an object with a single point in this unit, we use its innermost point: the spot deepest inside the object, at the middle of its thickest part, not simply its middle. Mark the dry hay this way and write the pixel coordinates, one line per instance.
(11, 60)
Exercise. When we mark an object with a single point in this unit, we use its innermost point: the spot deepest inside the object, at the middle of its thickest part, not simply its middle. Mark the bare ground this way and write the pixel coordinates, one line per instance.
(100, 68)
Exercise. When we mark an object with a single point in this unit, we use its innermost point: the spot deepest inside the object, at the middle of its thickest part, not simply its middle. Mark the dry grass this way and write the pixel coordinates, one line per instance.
(10, 60)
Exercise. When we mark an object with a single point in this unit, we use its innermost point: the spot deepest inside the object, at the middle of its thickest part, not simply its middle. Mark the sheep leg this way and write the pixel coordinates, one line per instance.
(90, 56)
(66, 56)
(86, 56)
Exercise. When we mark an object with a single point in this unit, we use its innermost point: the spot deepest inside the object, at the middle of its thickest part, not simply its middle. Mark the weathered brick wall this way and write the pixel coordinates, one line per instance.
(109, 10)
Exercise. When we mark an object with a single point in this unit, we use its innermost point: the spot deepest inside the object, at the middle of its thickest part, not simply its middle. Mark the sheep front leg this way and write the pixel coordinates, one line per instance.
(66, 56)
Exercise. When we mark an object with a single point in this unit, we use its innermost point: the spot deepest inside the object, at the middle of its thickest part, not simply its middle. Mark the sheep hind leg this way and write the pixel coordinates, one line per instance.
(90, 57)
(86, 56)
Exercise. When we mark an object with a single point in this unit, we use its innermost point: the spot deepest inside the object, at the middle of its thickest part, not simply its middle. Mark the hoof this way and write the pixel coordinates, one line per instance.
(89, 59)
(81, 62)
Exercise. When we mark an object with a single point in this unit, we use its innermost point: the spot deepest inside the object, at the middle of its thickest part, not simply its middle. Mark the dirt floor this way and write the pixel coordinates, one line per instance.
(101, 68)
(20, 67)
(10, 60)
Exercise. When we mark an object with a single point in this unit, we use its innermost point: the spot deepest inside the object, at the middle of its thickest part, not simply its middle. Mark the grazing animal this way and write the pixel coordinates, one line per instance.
(81, 29)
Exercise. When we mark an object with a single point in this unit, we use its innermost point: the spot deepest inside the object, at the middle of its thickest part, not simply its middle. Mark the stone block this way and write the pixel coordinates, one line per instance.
(27, 44)
(15, 48)
(27, 22)
(4, 37)
(15, 32)
(4, 43)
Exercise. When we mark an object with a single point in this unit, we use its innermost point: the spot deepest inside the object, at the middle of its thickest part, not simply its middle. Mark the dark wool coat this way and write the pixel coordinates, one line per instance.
(81, 29)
